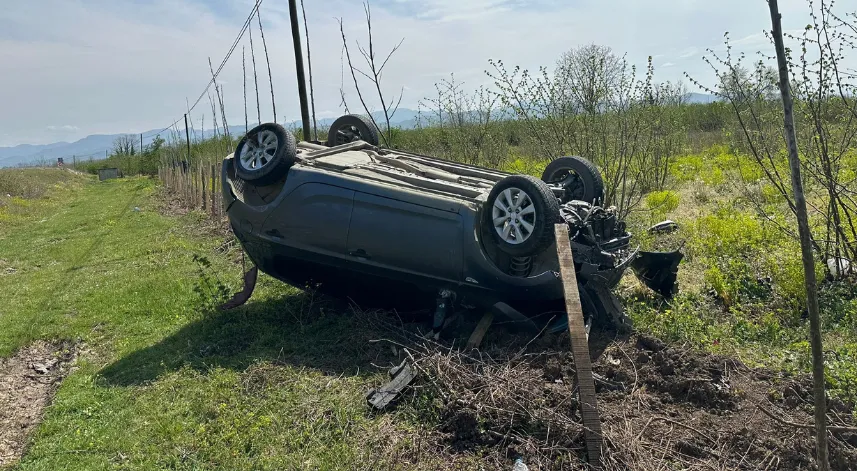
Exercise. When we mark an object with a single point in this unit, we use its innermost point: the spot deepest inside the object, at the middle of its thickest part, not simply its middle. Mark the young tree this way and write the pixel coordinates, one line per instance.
(805, 243)
(374, 70)
(124, 145)
(596, 106)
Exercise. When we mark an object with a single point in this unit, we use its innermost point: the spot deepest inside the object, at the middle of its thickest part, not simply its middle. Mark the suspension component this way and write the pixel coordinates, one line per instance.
(520, 266)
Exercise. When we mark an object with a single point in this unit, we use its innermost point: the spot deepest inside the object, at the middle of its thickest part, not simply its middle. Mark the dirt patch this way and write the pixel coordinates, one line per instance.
(28, 381)
(662, 407)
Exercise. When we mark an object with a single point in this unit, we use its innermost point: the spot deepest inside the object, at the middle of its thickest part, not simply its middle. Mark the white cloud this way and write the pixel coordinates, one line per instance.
(63, 128)
(689, 52)
(667, 64)
(129, 66)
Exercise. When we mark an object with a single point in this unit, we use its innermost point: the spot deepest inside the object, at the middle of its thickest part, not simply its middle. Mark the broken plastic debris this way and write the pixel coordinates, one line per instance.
(664, 227)
(612, 361)
(838, 267)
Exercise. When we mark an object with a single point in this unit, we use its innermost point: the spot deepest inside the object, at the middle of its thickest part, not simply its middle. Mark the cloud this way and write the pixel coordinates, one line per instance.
(689, 52)
(115, 66)
(667, 64)
(63, 128)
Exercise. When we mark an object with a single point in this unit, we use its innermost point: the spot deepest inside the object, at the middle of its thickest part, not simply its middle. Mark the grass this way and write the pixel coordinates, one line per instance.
(742, 287)
(164, 382)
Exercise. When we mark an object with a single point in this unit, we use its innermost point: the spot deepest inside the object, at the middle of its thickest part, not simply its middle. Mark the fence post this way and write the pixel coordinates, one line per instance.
(187, 138)
(203, 186)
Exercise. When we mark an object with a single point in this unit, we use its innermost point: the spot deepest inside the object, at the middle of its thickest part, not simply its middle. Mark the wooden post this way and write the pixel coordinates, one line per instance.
(579, 348)
(187, 138)
(203, 187)
(805, 243)
(218, 203)
(479, 332)
(299, 68)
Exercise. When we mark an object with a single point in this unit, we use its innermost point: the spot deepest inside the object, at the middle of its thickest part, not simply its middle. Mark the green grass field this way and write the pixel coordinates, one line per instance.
(166, 382)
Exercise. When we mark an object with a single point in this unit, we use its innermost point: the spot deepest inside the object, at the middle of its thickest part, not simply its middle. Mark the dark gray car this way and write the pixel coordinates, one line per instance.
(357, 220)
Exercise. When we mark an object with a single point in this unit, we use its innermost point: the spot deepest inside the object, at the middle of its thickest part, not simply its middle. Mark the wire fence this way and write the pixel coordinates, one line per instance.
(194, 187)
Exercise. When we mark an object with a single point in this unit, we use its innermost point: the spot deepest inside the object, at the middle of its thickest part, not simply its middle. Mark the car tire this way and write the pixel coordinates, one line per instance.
(353, 127)
(580, 178)
(265, 154)
(516, 229)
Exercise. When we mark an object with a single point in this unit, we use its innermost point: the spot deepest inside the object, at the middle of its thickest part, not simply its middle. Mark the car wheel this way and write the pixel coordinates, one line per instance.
(265, 154)
(578, 176)
(522, 211)
(353, 127)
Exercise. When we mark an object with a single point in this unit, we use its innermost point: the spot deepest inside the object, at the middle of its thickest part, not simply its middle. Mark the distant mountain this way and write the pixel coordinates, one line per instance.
(95, 146)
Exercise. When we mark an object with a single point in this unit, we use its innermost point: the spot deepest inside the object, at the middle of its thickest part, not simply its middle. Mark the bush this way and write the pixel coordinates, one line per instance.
(662, 202)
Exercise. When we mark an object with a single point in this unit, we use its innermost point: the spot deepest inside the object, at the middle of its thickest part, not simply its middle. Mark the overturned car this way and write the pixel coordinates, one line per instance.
(391, 226)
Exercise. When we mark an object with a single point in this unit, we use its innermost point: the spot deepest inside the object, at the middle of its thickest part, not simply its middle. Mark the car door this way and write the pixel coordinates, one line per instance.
(388, 236)
(311, 222)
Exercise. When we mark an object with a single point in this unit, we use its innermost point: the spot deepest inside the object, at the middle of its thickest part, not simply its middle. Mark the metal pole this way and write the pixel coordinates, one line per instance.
(299, 66)
(141, 143)
(187, 137)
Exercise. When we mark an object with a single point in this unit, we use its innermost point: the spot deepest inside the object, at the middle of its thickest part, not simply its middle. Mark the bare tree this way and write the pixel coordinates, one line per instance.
(805, 242)
(825, 110)
(124, 145)
(603, 112)
(244, 76)
(373, 75)
(255, 78)
(309, 64)
(814, 124)
(268, 61)
(589, 75)
(465, 121)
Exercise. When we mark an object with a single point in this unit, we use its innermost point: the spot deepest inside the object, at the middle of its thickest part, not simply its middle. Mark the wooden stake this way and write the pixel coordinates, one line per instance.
(579, 348)
(479, 332)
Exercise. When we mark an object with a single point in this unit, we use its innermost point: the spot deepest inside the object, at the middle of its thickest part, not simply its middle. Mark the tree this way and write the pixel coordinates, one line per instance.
(805, 241)
(588, 77)
(374, 70)
(595, 105)
(124, 145)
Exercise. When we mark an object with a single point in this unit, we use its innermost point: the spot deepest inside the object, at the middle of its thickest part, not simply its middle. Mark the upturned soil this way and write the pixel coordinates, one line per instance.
(28, 381)
(661, 407)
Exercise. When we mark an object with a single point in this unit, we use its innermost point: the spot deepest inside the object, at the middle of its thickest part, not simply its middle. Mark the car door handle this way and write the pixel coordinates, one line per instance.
(359, 253)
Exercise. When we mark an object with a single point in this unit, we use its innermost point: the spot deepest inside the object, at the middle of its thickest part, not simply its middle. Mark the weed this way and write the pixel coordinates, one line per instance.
(211, 291)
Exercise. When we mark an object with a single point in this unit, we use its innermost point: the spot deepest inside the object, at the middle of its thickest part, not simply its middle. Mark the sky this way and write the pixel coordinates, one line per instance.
(72, 68)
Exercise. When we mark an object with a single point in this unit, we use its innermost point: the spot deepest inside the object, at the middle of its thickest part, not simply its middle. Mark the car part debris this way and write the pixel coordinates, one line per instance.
(838, 267)
(443, 306)
(664, 227)
(520, 465)
(402, 376)
(242, 296)
(658, 270)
